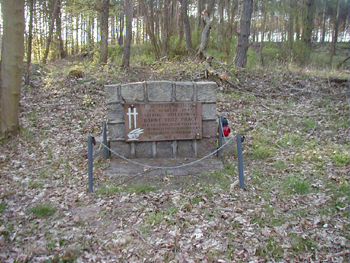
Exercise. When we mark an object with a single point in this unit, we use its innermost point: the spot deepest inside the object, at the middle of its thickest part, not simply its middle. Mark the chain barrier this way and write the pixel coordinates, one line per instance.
(168, 167)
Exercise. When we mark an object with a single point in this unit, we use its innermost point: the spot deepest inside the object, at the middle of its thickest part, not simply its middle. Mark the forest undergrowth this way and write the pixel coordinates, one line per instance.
(294, 208)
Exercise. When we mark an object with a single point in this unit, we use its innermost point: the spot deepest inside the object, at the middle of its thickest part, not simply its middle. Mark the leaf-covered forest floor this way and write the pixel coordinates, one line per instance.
(294, 208)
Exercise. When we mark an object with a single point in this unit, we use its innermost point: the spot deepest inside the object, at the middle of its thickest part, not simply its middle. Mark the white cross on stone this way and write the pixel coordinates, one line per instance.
(134, 113)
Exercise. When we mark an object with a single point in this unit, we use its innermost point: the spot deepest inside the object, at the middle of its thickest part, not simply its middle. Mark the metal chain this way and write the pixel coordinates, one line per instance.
(168, 167)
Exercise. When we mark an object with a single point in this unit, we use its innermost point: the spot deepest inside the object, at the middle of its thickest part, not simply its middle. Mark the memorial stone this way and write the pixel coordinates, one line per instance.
(162, 119)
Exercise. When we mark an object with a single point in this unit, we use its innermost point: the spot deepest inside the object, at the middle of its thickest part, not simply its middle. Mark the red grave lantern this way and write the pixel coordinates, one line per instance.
(226, 130)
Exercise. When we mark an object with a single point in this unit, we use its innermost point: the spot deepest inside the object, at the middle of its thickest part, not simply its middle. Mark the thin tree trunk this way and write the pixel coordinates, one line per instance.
(335, 32)
(181, 35)
(243, 44)
(221, 26)
(59, 30)
(90, 40)
(67, 34)
(227, 34)
(204, 42)
(308, 23)
(264, 14)
(11, 64)
(121, 26)
(291, 27)
(307, 30)
(186, 22)
(150, 29)
(104, 31)
(52, 24)
(127, 46)
(165, 28)
(72, 35)
(324, 22)
(30, 40)
(113, 30)
(82, 33)
(200, 26)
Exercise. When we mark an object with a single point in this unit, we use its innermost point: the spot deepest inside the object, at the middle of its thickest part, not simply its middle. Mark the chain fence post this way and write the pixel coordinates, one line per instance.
(220, 137)
(104, 135)
(240, 162)
(90, 163)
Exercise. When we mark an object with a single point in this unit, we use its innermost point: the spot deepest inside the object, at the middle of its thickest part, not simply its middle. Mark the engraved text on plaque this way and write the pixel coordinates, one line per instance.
(161, 121)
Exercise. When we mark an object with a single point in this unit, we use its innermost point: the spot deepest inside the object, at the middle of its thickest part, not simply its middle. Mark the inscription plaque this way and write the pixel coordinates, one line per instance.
(162, 121)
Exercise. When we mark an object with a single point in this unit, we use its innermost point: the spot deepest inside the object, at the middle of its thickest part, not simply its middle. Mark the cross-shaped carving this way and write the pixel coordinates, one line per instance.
(130, 114)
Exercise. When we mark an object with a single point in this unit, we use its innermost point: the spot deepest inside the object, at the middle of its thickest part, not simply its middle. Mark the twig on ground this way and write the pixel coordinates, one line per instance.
(308, 136)
(339, 254)
(139, 235)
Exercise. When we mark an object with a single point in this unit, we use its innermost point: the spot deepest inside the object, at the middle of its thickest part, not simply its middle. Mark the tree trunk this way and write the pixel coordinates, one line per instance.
(291, 27)
(186, 22)
(231, 7)
(243, 44)
(59, 31)
(113, 30)
(29, 43)
(165, 28)
(308, 23)
(121, 25)
(11, 64)
(205, 35)
(52, 24)
(324, 17)
(307, 30)
(76, 46)
(150, 29)
(200, 26)
(181, 35)
(220, 26)
(264, 15)
(90, 40)
(335, 32)
(129, 15)
(104, 31)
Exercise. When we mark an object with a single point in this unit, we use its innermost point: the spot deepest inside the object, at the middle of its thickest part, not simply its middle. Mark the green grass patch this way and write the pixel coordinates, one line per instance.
(235, 95)
(107, 190)
(295, 185)
(290, 140)
(340, 158)
(156, 218)
(142, 188)
(273, 250)
(43, 210)
(279, 165)
(300, 244)
(222, 179)
(34, 184)
(262, 152)
(2, 206)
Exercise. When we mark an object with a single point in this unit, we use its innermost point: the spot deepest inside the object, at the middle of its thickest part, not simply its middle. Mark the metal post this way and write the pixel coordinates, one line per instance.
(240, 162)
(90, 163)
(220, 136)
(104, 134)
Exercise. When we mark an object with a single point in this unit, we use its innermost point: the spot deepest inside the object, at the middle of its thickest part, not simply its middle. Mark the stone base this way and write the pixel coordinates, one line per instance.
(120, 167)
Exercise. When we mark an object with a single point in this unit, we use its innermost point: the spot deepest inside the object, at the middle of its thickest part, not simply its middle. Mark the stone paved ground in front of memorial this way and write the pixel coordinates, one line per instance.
(122, 171)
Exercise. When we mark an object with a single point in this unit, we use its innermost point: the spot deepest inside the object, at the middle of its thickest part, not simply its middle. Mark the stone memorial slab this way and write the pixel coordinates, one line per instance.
(163, 121)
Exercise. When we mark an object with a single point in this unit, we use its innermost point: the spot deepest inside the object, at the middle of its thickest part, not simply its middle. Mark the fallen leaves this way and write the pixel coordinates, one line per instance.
(201, 223)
